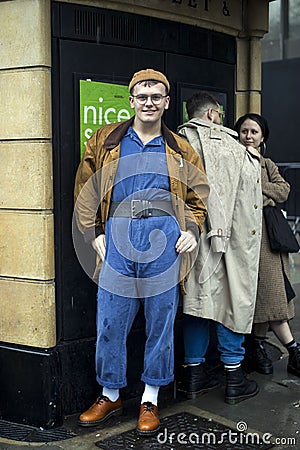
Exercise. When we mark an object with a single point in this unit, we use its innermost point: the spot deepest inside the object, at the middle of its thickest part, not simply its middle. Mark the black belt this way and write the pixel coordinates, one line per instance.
(141, 208)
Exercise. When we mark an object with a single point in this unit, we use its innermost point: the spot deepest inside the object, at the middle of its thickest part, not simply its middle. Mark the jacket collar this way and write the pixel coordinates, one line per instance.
(114, 138)
(195, 122)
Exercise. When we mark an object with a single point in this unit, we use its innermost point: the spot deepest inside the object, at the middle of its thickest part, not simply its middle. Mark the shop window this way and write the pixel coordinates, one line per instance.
(283, 39)
(294, 19)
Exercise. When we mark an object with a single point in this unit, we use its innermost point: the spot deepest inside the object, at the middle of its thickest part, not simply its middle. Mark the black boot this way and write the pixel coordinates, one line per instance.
(197, 381)
(238, 388)
(294, 360)
(260, 361)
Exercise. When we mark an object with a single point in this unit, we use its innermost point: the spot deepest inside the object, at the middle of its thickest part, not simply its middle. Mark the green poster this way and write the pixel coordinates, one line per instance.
(101, 104)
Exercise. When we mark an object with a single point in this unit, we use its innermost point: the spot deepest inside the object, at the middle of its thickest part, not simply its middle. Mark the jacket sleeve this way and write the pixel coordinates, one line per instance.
(274, 187)
(197, 191)
(86, 193)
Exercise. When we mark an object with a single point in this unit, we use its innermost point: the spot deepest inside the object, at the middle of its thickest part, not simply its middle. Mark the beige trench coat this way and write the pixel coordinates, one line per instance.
(223, 282)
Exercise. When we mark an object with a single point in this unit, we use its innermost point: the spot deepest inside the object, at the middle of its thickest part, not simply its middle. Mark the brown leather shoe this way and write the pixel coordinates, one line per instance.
(100, 411)
(148, 422)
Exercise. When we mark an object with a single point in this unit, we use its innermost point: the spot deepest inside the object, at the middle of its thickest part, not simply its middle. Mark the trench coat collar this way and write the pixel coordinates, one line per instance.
(196, 121)
(119, 132)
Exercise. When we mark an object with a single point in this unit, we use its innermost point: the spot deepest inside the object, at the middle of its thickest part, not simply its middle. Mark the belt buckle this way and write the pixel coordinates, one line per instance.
(140, 208)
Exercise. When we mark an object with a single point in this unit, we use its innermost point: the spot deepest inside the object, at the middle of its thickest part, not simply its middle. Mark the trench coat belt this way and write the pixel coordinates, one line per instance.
(137, 209)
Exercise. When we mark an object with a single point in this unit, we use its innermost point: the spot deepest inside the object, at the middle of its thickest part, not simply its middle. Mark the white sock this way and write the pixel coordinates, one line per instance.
(232, 366)
(112, 394)
(150, 394)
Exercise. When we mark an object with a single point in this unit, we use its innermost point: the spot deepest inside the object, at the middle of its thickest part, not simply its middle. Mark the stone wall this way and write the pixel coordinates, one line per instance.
(27, 298)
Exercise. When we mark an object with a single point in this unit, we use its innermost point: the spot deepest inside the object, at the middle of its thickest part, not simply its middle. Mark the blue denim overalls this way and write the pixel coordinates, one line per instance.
(141, 267)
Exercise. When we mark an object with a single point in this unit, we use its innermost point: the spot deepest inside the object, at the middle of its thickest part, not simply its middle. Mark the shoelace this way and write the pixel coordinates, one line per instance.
(101, 399)
(148, 407)
(263, 350)
(297, 351)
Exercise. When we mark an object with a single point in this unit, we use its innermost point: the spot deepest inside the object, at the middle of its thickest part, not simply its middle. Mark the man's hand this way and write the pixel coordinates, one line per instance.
(99, 245)
(186, 243)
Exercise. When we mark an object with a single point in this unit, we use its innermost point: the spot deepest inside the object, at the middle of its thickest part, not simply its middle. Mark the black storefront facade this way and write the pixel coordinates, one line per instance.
(103, 46)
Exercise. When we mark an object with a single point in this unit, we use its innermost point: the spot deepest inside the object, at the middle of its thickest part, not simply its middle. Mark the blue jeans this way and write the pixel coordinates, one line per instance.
(196, 341)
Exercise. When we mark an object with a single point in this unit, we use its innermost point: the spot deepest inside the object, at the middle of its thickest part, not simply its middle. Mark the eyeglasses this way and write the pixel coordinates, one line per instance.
(156, 99)
(221, 113)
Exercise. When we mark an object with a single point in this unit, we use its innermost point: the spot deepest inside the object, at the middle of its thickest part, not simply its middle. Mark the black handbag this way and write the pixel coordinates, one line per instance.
(280, 234)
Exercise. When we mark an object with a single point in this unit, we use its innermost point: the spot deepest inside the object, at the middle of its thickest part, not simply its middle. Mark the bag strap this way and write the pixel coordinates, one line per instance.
(267, 169)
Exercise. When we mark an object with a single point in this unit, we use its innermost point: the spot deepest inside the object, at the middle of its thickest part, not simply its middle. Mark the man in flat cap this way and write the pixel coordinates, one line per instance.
(141, 195)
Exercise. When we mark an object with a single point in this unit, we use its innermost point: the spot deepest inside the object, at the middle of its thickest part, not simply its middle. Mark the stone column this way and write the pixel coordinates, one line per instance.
(27, 299)
(248, 74)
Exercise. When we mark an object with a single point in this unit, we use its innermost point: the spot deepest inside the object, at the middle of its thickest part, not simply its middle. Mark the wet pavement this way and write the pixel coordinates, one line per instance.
(275, 412)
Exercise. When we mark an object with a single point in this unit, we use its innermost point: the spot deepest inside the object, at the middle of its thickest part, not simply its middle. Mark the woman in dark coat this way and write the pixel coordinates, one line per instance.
(274, 306)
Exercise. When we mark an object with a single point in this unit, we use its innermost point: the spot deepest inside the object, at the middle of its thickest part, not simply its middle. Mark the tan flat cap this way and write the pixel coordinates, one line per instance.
(147, 75)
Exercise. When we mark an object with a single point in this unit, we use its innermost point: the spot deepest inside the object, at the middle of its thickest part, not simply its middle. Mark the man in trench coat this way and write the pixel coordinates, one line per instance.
(223, 281)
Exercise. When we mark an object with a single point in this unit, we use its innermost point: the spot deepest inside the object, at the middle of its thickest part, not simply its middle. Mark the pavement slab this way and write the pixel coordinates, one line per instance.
(275, 412)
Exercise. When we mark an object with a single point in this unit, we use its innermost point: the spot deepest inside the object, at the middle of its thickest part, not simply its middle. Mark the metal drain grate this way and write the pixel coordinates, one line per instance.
(25, 433)
(186, 431)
